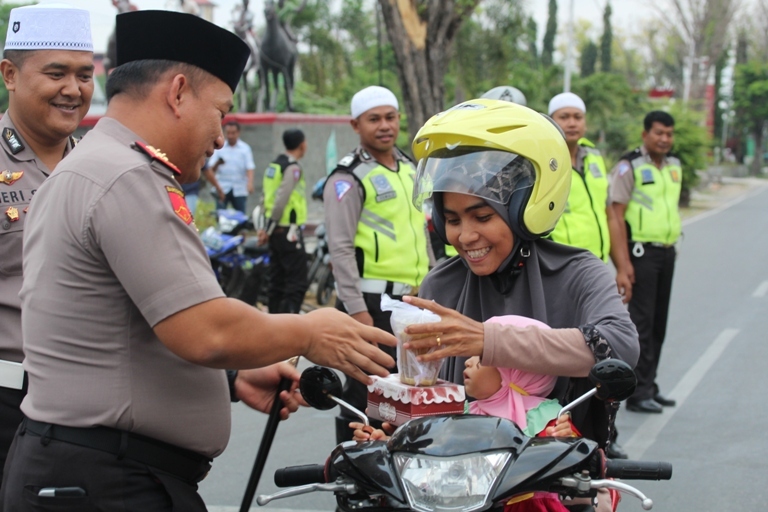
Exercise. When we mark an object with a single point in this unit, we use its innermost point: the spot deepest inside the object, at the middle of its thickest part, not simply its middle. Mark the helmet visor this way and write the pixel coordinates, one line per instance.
(489, 174)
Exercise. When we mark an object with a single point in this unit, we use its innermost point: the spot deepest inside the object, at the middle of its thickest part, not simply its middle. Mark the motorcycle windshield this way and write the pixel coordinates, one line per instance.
(448, 436)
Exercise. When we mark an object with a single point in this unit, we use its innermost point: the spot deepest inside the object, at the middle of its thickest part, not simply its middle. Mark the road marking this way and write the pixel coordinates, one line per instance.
(761, 290)
(757, 189)
(646, 434)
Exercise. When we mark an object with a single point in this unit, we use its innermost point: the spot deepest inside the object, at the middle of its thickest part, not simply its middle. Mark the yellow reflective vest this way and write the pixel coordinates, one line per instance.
(584, 222)
(295, 211)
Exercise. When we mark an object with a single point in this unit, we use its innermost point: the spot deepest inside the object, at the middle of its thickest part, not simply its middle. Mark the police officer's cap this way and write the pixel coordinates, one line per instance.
(181, 37)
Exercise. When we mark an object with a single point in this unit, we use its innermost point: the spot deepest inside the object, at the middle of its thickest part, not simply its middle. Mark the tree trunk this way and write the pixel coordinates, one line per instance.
(757, 163)
(421, 33)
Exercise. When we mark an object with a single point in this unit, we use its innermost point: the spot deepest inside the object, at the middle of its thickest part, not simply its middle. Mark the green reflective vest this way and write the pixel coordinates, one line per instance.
(295, 211)
(584, 222)
(652, 213)
(391, 232)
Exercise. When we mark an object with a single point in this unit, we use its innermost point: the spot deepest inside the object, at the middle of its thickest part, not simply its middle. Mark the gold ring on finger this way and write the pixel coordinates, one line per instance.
(438, 341)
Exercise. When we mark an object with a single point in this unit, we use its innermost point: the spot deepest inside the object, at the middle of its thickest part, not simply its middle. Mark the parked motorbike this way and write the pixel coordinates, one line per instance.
(463, 463)
(320, 267)
(239, 262)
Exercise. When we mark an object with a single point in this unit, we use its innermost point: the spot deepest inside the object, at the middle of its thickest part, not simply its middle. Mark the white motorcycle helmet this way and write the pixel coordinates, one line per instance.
(506, 93)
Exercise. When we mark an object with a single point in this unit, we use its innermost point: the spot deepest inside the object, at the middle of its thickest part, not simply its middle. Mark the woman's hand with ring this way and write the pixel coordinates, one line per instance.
(455, 334)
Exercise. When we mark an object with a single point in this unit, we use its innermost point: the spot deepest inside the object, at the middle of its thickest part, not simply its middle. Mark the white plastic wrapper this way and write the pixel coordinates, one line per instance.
(410, 369)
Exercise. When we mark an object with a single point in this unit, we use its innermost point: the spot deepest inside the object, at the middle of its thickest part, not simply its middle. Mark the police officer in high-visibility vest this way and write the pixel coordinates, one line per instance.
(588, 221)
(285, 207)
(645, 192)
(377, 239)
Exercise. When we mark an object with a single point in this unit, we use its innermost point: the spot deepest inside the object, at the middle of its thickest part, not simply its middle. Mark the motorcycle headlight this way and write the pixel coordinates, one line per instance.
(449, 483)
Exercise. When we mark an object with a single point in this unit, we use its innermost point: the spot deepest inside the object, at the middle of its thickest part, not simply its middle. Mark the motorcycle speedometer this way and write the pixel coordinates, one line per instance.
(449, 483)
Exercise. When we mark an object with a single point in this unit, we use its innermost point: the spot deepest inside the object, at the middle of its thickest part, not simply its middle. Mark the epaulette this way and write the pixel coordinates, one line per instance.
(155, 154)
(631, 155)
(353, 159)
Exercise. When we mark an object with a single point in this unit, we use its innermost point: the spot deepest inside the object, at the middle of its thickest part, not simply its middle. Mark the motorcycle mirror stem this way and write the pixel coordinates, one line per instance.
(321, 388)
(614, 381)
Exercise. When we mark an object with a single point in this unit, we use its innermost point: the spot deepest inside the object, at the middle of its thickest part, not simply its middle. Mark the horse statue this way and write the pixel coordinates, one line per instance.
(278, 52)
(111, 57)
(242, 23)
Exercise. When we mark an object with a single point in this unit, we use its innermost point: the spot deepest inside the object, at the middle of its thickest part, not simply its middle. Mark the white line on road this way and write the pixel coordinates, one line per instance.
(647, 432)
(761, 290)
(757, 189)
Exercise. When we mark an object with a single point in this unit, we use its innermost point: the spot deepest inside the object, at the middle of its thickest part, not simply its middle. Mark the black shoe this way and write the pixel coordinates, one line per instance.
(615, 451)
(647, 405)
(662, 400)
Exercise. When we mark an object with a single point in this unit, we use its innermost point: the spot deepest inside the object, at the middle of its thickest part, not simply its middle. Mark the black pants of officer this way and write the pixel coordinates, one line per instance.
(355, 393)
(109, 484)
(649, 309)
(10, 417)
(287, 271)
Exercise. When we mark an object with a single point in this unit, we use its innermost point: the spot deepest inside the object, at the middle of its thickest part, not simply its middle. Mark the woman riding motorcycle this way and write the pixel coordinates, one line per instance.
(497, 175)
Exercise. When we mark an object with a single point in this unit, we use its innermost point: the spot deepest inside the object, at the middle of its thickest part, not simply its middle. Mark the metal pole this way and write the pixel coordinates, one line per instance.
(266, 442)
(378, 41)
(568, 51)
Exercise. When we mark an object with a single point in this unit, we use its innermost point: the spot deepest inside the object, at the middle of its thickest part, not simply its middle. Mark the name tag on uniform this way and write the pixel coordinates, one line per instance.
(647, 176)
(383, 188)
(595, 170)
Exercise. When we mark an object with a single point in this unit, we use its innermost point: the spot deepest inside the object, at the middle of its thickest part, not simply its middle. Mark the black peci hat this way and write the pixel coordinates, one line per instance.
(181, 37)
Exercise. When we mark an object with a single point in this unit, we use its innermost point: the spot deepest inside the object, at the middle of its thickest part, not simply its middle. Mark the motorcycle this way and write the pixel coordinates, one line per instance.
(463, 463)
(239, 262)
(320, 267)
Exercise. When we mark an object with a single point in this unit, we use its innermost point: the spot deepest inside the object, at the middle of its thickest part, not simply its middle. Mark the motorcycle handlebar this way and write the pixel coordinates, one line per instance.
(300, 475)
(637, 469)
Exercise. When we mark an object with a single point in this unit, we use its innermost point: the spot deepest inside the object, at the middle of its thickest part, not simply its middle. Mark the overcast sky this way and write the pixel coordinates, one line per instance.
(626, 13)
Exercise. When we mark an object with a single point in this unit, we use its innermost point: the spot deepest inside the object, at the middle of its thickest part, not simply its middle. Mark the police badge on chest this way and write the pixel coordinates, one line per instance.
(384, 190)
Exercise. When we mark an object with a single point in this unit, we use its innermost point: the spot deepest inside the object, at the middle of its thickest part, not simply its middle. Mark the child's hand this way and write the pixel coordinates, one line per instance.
(562, 427)
(368, 433)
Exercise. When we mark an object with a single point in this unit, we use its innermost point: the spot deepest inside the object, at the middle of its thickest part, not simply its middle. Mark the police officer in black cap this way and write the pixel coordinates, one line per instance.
(126, 331)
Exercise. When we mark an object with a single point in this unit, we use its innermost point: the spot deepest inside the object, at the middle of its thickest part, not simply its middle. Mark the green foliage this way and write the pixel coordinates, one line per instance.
(750, 93)
(588, 59)
(548, 47)
(606, 41)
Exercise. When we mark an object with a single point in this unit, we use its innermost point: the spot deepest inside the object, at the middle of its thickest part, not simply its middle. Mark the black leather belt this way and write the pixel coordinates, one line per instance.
(185, 464)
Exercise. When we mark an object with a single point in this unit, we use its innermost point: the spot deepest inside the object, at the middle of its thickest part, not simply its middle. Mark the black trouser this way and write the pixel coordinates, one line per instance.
(10, 417)
(110, 484)
(649, 310)
(288, 272)
(355, 393)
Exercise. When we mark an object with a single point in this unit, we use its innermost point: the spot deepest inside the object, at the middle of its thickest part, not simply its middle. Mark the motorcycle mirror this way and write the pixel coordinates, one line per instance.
(614, 380)
(317, 385)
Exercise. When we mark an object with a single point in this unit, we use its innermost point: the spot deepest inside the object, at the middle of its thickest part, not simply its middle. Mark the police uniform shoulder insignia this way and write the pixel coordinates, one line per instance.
(342, 187)
(347, 160)
(179, 204)
(10, 177)
(12, 140)
(365, 156)
(155, 154)
(623, 167)
(296, 174)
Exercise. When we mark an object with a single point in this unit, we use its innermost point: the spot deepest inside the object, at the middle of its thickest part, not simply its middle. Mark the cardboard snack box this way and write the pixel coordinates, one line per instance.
(391, 400)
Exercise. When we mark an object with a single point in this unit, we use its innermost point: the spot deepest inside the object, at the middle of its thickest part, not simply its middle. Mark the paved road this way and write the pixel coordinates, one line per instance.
(713, 364)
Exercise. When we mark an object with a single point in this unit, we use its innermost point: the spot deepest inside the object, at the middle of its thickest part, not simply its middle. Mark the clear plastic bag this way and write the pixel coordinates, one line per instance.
(411, 371)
